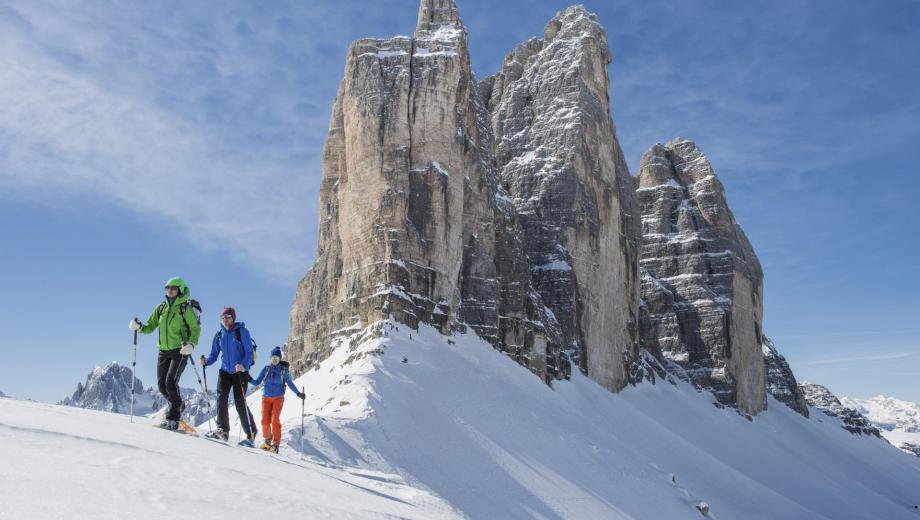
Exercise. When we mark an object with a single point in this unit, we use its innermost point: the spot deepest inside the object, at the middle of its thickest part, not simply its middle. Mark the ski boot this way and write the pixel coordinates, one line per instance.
(218, 434)
(273, 448)
(170, 425)
(265, 446)
(246, 443)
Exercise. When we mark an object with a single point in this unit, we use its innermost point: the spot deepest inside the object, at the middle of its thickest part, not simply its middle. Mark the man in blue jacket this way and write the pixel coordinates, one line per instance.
(275, 376)
(234, 345)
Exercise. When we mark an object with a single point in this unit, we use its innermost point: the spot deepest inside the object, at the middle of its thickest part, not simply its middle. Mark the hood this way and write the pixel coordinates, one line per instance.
(235, 326)
(184, 292)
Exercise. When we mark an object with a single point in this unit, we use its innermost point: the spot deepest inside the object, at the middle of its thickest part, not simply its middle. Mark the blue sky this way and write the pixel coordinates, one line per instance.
(139, 141)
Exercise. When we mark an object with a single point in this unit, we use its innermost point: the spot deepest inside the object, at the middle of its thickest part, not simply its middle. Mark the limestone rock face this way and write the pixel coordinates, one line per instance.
(852, 421)
(702, 284)
(558, 157)
(414, 224)
(780, 380)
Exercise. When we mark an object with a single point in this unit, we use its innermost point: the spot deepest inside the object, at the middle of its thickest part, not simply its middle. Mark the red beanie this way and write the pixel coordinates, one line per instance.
(229, 310)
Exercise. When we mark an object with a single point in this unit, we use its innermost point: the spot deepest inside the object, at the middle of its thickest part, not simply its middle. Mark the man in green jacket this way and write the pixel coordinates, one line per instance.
(179, 332)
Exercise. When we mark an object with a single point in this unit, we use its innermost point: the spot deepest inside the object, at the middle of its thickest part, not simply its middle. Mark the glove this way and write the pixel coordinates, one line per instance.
(187, 348)
(302, 396)
(135, 324)
(204, 361)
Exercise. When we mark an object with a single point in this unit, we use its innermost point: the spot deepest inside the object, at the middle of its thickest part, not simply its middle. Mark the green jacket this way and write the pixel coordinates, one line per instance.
(174, 329)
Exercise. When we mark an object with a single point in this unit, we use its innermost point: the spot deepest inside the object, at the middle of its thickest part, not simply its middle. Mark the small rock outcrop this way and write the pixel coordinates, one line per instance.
(558, 156)
(702, 284)
(781, 383)
(852, 421)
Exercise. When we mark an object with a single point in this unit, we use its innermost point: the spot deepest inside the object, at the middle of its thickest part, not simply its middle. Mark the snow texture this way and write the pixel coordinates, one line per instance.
(64, 462)
(455, 416)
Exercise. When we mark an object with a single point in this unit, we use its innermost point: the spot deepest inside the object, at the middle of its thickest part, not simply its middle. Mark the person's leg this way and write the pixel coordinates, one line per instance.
(267, 419)
(176, 367)
(162, 369)
(240, 400)
(224, 383)
(252, 421)
(276, 420)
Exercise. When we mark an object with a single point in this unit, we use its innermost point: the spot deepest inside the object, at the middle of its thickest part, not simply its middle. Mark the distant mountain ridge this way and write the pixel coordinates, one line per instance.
(898, 420)
(108, 388)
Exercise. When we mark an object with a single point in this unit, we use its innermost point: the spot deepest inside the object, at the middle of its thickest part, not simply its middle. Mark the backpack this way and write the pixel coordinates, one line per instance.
(196, 311)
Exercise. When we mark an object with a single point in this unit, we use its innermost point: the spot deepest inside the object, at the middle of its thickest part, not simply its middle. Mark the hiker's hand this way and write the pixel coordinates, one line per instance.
(239, 368)
(135, 324)
(187, 349)
(302, 396)
(203, 361)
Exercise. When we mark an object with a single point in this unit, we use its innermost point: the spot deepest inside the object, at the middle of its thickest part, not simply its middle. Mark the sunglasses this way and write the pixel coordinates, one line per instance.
(168, 287)
(226, 317)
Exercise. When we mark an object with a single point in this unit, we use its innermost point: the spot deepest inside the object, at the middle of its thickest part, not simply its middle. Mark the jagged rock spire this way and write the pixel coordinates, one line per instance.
(556, 149)
(433, 14)
(702, 285)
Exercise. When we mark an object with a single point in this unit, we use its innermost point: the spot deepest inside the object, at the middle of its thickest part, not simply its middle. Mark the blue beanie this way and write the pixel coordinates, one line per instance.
(276, 351)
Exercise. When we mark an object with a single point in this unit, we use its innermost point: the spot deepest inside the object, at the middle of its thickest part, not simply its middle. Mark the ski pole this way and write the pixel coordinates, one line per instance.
(133, 376)
(303, 410)
(203, 387)
(204, 371)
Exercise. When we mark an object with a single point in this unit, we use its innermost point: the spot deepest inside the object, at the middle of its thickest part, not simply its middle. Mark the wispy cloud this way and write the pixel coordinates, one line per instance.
(850, 334)
(858, 358)
(207, 117)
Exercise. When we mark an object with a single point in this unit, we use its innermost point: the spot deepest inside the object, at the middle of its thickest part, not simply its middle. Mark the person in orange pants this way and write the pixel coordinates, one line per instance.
(274, 376)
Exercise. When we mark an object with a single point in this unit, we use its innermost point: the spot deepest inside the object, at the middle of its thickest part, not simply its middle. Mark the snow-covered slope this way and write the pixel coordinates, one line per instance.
(459, 418)
(63, 462)
(899, 421)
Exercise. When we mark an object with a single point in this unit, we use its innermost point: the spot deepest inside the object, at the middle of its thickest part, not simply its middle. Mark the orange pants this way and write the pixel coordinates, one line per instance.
(271, 418)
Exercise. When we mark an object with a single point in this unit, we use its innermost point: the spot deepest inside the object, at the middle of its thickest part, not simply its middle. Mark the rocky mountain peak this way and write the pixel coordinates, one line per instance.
(851, 420)
(106, 388)
(702, 283)
(437, 14)
(576, 23)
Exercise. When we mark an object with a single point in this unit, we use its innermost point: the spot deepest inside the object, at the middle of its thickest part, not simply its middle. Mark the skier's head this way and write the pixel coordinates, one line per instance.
(276, 355)
(175, 287)
(228, 317)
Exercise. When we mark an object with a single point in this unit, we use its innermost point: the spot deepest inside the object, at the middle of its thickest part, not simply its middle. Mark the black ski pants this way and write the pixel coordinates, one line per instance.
(225, 383)
(170, 365)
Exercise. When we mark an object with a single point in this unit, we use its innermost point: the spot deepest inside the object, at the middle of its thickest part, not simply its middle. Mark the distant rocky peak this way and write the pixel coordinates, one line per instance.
(437, 14)
(851, 420)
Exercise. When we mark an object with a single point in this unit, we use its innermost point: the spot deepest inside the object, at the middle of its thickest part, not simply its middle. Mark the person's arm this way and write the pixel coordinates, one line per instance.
(258, 381)
(290, 383)
(152, 322)
(247, 348)
(215, 350)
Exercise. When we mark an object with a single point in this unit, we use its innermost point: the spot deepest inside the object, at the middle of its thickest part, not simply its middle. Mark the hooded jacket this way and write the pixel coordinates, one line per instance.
(275, 376)
(175, 329)
(231, 351)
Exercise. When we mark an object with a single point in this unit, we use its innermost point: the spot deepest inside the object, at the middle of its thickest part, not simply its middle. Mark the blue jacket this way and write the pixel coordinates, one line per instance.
(231, 350)
(275, 377)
